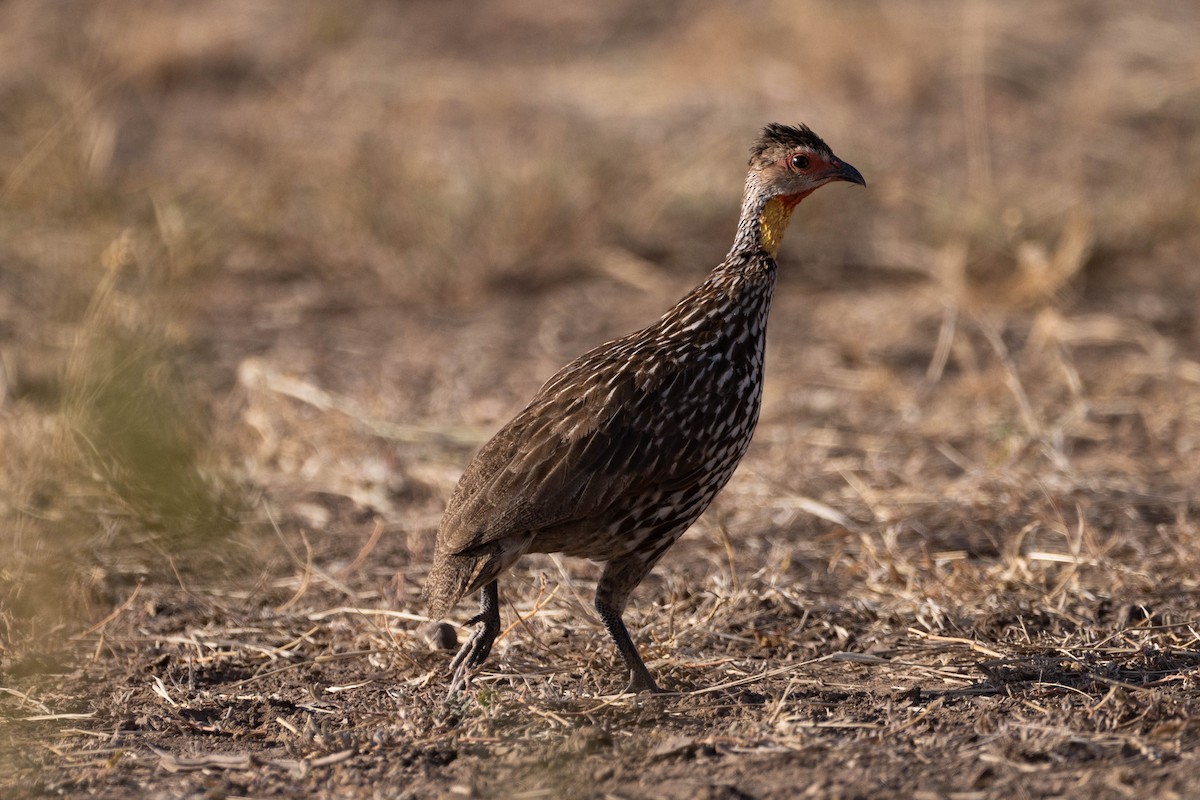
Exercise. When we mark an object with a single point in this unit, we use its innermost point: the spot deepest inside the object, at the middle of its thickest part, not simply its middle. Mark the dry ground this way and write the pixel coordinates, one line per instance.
(270, 271)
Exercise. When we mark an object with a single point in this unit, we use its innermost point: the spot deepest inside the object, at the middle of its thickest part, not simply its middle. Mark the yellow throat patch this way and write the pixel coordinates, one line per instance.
(774, 222)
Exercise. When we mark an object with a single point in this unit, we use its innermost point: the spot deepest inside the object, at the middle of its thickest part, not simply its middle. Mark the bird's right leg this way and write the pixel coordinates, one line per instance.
(618, 580)
(475, 651)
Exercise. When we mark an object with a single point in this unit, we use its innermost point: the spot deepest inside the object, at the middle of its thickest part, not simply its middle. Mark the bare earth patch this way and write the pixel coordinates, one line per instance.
(270, 272)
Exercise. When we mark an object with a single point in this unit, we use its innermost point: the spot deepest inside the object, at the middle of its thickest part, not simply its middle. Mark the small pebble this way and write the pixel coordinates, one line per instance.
(440, 636)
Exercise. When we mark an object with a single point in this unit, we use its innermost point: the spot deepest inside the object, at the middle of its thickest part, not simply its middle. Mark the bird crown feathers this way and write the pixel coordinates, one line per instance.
(777, 138)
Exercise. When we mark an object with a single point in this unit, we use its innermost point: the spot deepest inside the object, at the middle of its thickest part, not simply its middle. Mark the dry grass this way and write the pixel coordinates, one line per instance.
(269, 272)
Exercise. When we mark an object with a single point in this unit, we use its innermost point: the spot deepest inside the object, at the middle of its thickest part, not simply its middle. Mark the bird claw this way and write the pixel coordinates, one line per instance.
(470, 656)
(459, 682)
(643, 683)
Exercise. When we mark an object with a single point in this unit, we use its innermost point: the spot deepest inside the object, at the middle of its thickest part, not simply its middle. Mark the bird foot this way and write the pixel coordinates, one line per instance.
(643, 683)
(472, 654)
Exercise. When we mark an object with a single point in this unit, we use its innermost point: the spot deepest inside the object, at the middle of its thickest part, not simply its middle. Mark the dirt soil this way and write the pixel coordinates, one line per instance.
(270, 273)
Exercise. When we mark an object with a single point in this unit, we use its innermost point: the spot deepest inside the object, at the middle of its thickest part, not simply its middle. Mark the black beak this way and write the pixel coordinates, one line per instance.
(844, 172)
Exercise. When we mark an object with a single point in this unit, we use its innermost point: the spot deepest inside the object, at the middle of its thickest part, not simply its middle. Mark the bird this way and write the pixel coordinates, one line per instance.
(625, 447)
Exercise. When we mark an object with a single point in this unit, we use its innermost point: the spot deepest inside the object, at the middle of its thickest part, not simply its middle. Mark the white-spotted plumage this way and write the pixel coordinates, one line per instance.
(625, 447)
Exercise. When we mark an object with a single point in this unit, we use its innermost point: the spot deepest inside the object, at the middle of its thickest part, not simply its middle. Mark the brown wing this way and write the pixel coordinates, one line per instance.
(614, 419)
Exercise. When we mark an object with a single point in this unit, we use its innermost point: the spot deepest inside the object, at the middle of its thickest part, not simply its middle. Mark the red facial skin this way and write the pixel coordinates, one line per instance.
(817, 166)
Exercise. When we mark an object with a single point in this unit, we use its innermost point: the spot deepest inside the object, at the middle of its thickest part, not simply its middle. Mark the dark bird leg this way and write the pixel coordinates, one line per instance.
(475, 651)
(619, 579)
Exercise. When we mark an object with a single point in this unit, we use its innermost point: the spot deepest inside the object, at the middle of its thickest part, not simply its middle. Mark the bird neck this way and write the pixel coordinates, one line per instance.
(776, 214)
(764, 219)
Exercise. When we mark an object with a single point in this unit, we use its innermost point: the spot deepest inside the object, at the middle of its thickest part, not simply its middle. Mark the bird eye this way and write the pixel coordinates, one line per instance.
(800, 162)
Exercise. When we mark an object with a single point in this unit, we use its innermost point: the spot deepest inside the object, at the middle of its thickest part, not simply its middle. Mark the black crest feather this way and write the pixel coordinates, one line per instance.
(777, 136)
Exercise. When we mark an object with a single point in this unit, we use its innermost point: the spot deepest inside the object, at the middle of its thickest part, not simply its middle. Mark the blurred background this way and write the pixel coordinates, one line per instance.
(270, 271)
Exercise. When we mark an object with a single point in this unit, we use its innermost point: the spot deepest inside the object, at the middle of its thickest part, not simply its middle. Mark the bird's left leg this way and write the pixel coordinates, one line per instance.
(475, 651)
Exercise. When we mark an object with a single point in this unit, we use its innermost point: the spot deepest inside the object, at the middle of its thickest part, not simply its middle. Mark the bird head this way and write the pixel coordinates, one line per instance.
(795, 162)
(787, 164)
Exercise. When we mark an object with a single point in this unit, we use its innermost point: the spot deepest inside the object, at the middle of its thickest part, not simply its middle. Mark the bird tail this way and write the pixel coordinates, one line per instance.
(454, 574)
(447, 582)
